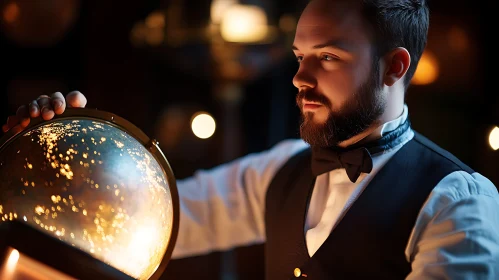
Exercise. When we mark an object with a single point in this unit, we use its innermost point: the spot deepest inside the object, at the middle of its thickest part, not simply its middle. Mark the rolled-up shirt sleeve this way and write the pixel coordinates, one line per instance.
(223, 208)
(456, 235)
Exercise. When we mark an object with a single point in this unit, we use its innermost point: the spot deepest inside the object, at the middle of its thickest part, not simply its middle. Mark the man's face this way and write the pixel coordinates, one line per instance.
(339, 83)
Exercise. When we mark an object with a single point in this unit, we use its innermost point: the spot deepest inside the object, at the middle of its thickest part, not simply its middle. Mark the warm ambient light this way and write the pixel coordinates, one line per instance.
(125, 215)
(8, 269)
(218, 9)
(244, 24)
(427, 71)
(494, 138)
(13, 258)
(458, 39)
(203, 125)
(11, 12)
(155, 20)
(20, 266)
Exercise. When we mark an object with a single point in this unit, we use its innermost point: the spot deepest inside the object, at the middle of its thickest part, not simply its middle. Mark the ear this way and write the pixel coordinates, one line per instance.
(397, 62)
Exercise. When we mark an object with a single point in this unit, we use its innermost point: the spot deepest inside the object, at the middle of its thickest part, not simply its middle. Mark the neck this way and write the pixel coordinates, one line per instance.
(390, 114)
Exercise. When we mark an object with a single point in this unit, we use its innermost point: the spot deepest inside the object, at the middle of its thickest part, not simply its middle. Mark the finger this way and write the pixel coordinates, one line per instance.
(34, 109)
(22, 115)
(76, 99)
(17, 128)
(58, 103)
(45, 107)
(43, 101)
(11, 122)
(47, 114)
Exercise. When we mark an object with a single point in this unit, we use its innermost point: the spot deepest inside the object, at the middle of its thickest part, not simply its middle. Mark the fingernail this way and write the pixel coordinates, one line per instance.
(45, 110)
(57, 104)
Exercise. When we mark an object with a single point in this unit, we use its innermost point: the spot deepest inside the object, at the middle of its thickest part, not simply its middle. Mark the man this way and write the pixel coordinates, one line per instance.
(363, 196)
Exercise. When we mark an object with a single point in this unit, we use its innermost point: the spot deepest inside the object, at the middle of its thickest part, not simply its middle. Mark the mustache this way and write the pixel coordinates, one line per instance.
(312, 96)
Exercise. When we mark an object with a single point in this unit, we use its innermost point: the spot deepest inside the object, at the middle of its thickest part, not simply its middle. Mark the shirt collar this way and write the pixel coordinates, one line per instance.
(391, 125)
(387, 127)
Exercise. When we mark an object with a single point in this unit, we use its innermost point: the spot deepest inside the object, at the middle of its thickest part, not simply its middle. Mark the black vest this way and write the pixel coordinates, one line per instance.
(370, 240)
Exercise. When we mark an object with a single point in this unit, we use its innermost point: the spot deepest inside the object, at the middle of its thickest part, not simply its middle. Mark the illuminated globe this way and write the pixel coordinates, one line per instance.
(95, 181)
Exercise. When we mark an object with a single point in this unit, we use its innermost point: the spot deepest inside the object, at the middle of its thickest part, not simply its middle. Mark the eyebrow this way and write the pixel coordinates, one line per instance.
(336, 44)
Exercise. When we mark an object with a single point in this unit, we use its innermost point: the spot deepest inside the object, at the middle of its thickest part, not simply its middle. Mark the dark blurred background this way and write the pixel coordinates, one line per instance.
(160, 63)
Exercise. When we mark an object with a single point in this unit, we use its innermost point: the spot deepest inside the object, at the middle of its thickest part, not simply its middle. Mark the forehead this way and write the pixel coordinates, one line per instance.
(331, 19)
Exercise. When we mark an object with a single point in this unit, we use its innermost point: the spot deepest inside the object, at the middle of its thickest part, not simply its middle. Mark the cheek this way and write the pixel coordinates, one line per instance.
(337, 85)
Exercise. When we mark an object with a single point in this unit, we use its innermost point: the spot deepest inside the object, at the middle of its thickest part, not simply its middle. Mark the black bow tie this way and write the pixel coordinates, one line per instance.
(355, 160)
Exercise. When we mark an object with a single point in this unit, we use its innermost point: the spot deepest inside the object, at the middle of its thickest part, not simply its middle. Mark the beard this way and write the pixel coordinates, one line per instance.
(359, 112)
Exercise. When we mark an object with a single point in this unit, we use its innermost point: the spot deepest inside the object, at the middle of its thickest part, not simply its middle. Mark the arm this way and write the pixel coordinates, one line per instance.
(219, 208)
(223, 208)
(456, 235)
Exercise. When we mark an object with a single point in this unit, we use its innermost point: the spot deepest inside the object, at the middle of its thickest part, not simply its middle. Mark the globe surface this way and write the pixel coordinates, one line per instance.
(91, 185)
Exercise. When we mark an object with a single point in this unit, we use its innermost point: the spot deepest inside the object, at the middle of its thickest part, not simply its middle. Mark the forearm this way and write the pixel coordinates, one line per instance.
(223, 208)
(216, 216)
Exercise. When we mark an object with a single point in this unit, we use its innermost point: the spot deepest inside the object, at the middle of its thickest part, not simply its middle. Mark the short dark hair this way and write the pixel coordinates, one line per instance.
(398, 23)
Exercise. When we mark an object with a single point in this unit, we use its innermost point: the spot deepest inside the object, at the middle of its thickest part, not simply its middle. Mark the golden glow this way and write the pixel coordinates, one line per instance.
(20, 266)
(9, 267)
(89, 172)
(13, 258)
(203, 125)
(494, 138)
(154, 36)
(287, 23)
(155, 20)
(219, 8)
(150, 31)
(244, 24)
(11, 12)
(427, 71)
(138, 250)
(458, 39)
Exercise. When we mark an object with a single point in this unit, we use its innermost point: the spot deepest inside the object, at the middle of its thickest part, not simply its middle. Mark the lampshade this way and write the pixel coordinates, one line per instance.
(96, 182)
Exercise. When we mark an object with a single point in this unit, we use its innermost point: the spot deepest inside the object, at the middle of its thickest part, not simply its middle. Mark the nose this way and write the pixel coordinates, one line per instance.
(304, 78)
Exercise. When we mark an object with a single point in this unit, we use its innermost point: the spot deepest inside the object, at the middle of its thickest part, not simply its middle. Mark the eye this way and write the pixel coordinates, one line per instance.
(328, 57)
(299, 58)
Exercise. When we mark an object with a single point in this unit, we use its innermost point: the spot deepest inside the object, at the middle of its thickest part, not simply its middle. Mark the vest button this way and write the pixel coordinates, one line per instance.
(297, 272)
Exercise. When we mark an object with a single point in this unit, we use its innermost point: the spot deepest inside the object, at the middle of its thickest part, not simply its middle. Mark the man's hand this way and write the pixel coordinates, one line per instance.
(46, 106)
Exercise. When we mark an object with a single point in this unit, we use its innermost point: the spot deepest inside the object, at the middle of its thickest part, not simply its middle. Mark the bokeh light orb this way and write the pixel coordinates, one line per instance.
(38, 23)
(203, 125)
(95, 181)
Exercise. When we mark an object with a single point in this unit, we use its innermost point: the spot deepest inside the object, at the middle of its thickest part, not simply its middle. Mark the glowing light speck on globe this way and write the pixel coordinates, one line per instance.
(91, 185)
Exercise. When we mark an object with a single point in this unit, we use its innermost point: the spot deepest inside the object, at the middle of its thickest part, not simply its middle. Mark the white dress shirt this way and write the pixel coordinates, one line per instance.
(456, 234)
